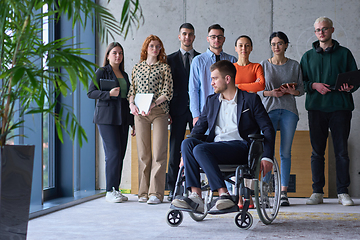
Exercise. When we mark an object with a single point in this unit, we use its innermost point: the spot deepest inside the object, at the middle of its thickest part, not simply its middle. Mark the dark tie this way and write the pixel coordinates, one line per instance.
(187, 62)
(217, 57)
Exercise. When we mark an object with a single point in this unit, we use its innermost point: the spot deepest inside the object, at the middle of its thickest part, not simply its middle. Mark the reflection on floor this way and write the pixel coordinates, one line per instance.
(65, 202)
(98, 219)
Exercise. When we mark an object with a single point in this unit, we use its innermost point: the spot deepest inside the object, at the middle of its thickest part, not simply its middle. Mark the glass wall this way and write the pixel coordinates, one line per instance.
(62, 170)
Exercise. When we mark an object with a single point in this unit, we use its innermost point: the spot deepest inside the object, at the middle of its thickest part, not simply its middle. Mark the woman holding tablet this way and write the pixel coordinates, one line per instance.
(152, 75)
(112, 116)
(283, 81)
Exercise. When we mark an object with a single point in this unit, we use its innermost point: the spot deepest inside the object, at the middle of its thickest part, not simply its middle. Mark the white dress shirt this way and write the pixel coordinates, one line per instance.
(226, 128)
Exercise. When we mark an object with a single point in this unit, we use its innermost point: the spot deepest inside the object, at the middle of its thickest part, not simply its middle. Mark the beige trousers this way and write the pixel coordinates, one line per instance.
(152, 164)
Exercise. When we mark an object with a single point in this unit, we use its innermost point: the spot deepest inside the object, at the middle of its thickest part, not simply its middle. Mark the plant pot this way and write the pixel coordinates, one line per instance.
(15, 190)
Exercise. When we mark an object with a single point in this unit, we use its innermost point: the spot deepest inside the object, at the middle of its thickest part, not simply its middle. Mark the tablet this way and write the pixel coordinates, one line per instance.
(107, 84)
(290, 84)
(351, 78)
(143, 101)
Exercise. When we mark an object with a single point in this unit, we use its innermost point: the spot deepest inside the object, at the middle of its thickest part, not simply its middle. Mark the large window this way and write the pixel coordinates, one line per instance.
(47, 120)
(62, 170)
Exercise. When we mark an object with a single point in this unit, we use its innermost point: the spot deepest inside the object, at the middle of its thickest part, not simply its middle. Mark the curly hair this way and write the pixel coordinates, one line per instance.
(161, 57)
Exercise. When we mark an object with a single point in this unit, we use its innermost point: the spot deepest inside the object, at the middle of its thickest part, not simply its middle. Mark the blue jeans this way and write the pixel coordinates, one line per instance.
(286, 122)
(339, 124)
(208, 155)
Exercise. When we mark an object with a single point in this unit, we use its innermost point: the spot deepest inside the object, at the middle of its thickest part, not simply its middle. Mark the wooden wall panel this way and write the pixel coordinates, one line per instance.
(301, 164)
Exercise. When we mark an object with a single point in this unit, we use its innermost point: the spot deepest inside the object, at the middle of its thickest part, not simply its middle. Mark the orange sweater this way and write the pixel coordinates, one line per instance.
(246, 76)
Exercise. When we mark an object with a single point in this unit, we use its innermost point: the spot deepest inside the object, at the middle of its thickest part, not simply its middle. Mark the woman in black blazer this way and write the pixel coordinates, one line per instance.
(112, 116)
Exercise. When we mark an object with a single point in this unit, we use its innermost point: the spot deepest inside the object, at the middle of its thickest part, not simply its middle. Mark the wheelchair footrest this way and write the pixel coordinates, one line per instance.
(215, 211)
(184, 209)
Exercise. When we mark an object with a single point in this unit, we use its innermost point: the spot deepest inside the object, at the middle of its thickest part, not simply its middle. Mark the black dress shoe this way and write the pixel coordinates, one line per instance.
(170, 197)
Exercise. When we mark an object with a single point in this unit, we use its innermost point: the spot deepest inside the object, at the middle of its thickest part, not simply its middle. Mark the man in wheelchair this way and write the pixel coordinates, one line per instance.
(230, 115)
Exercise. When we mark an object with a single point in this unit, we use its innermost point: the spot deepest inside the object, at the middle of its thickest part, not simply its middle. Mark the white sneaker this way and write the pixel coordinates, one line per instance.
(143, 199)
(124, 198)
(224, 202)
(345, 199)
(180, 203)
(115, 196)
(315, 198)
(153, 200)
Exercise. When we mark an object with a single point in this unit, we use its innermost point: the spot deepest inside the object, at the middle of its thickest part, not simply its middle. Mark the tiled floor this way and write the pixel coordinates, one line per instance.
(98, 219)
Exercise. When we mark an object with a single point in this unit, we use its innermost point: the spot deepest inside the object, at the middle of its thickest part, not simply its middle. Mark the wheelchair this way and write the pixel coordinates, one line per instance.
(249, 181)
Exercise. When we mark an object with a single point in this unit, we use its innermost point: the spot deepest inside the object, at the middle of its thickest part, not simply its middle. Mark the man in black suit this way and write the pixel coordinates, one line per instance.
(180, 114)
(230, 115)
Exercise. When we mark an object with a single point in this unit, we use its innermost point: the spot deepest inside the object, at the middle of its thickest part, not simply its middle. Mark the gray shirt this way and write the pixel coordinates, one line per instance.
(275, 76)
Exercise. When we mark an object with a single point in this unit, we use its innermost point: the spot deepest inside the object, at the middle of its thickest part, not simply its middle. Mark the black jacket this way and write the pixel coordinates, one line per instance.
(180, 101)
(110, 110)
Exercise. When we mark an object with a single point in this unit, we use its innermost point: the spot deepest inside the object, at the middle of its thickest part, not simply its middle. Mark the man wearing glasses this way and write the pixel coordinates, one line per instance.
(200, 75)
(328, 109)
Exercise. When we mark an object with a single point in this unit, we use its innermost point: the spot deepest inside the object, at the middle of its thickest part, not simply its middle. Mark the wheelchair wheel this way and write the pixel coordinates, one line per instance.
(174, 218)
(207, 196)
(247, 222)
(267, 193)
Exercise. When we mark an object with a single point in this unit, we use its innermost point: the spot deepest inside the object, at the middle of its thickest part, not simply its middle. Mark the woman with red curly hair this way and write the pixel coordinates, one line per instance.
(152, 75)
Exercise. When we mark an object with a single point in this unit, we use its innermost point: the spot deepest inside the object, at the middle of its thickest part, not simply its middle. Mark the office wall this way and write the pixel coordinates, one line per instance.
(258, 19)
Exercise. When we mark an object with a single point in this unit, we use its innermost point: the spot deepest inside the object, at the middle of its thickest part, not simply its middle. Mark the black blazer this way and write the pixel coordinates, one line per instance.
(114, 110)
(179, 102)
(251, 116)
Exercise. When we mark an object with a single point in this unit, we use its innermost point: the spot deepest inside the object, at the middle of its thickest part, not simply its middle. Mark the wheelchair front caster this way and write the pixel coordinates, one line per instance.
(174, 218)
(246, 224)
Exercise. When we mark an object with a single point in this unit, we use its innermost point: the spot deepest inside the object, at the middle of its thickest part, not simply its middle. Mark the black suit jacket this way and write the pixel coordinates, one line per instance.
(179, 102)
(251, 117)
(110, 110)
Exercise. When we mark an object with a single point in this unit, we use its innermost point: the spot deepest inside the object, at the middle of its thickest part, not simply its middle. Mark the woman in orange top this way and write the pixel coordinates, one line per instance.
(249, 76)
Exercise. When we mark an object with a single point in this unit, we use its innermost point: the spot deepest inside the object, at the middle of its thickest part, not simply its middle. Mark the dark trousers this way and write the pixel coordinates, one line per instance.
(208, 156)
(339, 124)
(114, 141)
(177, 132)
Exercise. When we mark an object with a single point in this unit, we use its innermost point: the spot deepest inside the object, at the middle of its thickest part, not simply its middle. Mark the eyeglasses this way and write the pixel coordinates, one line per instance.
(279, 44)
(157, 47)
(324, 29)
(213, 37)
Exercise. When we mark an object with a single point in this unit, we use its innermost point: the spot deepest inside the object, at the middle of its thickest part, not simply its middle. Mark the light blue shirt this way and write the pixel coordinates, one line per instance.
(200, 79)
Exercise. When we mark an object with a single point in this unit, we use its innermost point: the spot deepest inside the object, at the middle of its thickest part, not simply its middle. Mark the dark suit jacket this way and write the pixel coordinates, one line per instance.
(110, 110)
(251, 116)
(180, 100)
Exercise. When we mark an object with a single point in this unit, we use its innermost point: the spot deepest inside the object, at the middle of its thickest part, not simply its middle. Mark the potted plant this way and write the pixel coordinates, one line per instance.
(26, 84)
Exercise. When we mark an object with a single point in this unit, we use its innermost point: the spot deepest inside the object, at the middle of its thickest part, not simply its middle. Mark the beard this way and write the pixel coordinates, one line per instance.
(216, 47)
(220, 89)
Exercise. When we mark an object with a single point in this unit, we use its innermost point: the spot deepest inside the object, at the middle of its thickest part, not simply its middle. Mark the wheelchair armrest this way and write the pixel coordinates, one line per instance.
(255, 150)
(255, 136)
(199, 136)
